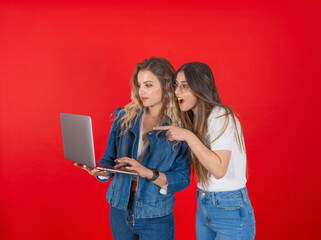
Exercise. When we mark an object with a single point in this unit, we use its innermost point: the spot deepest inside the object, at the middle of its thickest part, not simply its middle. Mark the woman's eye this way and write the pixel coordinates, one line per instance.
(185, 86)
(149, 85)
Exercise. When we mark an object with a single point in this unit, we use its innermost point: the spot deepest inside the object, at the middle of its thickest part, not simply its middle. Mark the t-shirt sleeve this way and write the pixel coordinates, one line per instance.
(216, 125)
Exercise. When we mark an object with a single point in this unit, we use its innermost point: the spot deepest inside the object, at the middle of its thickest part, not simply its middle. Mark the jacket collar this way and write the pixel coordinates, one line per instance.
(135, 127)
(165, 122)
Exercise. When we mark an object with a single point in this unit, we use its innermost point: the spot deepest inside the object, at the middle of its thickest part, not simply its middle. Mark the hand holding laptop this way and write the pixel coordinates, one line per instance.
(93, 171)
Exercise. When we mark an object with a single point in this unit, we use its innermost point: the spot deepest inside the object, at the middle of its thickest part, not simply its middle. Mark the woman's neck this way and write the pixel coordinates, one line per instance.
(195, 111)
(154, 111)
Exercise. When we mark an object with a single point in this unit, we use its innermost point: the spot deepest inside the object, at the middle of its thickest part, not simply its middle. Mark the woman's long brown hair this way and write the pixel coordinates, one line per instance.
(201, 81)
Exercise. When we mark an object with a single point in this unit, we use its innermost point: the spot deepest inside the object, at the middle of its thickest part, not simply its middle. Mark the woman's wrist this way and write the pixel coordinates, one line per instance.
(149, 173)
(189, 136)
(155, 175)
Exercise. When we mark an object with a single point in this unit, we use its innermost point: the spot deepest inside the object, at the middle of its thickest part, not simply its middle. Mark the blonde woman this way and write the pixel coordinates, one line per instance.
(214, 135)
(141, 207)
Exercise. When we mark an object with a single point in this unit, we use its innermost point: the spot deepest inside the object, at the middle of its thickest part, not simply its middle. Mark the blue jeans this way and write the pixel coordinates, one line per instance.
(224, 215)
(124, 228)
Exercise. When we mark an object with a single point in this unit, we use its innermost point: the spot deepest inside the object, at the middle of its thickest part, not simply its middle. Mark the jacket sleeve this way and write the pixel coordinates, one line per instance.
(178, 178)
(111, 151)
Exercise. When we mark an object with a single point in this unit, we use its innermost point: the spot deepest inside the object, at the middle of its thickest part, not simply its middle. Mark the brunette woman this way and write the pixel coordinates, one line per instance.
(215, 137)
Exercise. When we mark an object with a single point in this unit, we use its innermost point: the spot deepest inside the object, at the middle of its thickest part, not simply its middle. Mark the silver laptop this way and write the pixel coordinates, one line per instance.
(78, 143)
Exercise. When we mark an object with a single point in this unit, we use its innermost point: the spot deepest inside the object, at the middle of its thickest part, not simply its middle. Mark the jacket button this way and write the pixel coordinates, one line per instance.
(150, 133)
(203, 194)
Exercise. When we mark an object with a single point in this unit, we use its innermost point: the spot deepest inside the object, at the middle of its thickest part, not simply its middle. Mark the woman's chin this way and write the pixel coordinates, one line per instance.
(183, 108)
(146, 104)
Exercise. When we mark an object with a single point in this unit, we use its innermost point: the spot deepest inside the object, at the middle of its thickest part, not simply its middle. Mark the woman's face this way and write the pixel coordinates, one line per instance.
(150, 90)
(186, 99)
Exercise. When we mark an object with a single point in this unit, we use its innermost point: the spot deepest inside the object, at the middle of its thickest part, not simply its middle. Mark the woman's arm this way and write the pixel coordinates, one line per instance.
(176, 179)
(216, 162)
(111, 151)
(178, 176)
(142, 171)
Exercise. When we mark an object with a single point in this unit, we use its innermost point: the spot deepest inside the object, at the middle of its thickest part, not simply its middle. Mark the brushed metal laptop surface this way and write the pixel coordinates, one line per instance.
(78, 143)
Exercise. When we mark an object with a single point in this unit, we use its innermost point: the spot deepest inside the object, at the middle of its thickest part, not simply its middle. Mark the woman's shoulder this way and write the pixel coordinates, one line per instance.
(118, 113)
(220, 116)
(217, 112)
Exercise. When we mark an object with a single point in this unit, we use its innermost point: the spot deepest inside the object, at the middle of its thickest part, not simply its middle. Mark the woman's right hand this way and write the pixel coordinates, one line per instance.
(93, 171)
(175, 133)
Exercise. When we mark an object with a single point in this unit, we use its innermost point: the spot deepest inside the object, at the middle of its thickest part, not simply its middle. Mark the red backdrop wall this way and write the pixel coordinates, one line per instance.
(78, 57)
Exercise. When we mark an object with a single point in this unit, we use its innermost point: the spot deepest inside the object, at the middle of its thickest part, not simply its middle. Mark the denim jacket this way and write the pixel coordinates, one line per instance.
(175, 163)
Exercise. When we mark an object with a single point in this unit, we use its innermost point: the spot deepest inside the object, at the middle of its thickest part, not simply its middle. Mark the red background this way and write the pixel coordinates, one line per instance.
(78, 57)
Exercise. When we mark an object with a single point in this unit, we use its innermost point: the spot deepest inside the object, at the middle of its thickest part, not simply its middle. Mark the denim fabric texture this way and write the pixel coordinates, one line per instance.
(225, 216)
(175, 163)
(124, 226)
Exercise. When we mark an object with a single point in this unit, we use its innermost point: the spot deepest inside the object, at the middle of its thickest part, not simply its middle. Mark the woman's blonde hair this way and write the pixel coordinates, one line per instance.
(201, 81)
(164, 72)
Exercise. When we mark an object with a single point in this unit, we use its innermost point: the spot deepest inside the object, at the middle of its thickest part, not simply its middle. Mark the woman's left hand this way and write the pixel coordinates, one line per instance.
(134, 166)
(174, 133)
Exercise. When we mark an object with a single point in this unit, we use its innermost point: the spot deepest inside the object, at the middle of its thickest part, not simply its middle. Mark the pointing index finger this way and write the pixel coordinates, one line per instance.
(162, 128)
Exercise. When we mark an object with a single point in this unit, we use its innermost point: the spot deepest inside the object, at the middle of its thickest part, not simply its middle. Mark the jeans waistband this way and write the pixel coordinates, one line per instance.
(241, 193)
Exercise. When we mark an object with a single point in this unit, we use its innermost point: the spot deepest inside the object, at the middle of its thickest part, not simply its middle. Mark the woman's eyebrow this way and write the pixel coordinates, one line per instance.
(148, 81)
(181, 81)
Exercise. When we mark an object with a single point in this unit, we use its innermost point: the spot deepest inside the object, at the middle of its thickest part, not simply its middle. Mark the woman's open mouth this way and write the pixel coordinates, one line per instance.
(180, 101)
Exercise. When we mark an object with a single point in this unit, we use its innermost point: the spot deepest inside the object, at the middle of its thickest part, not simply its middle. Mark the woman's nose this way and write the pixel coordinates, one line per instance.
(141, 90)
(178, 91)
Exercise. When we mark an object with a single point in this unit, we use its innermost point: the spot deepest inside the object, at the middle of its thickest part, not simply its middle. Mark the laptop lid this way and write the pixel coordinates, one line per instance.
(77, 137)
(78, 143)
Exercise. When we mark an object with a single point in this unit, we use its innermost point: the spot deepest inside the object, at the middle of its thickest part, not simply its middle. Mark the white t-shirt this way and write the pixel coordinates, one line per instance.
(235, 177)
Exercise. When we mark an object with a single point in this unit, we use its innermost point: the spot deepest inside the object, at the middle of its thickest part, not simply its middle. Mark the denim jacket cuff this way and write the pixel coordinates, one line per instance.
(104, 179)
(169, 183)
